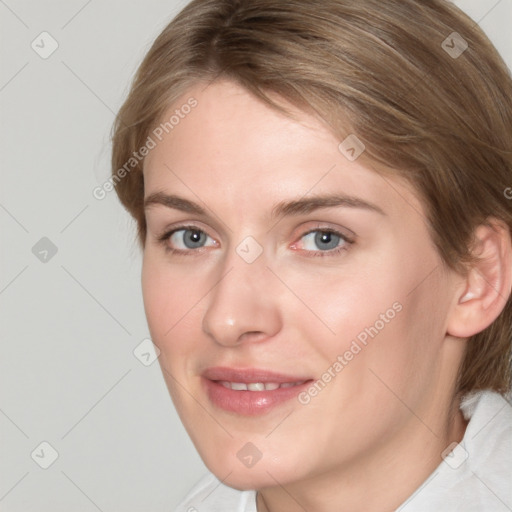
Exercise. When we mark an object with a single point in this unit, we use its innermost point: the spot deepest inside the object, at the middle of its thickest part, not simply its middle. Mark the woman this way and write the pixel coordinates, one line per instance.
(320, 192)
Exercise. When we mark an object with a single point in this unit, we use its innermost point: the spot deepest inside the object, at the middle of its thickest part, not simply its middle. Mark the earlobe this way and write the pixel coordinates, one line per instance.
(487, 285)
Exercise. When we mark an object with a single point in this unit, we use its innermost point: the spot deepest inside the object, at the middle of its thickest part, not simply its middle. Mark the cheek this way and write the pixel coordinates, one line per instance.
(157, 299)
(340, 305)
(172, 317)
(378, 319)
(170, 302)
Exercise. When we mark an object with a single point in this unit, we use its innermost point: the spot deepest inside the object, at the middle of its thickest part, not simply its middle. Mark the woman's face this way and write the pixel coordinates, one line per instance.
(274, 258)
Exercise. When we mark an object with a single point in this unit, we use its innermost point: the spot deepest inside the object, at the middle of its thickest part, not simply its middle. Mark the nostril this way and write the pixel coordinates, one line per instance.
(252, 335)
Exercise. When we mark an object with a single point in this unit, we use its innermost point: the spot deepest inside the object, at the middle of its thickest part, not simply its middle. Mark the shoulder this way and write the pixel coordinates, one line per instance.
(210, 495)
(475, 474)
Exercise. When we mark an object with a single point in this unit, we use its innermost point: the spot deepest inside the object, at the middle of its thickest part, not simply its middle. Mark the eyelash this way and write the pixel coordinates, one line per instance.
(347, 242)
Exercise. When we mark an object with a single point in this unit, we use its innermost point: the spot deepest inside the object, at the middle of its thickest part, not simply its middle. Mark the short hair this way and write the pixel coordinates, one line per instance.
(417, 81)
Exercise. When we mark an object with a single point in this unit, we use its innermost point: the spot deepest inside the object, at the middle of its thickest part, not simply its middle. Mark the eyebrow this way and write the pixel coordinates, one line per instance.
(172, 201)
(285, 208)
(308, 204)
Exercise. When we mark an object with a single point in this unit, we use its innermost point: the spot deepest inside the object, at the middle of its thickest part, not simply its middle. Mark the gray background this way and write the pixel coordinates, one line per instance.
(70, 321)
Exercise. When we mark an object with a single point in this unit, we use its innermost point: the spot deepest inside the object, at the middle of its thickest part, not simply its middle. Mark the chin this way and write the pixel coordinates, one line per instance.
(263, 473)
(246, 479)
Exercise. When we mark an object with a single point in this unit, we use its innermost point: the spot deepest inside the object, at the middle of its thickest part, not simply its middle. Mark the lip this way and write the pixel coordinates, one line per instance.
(249, 403)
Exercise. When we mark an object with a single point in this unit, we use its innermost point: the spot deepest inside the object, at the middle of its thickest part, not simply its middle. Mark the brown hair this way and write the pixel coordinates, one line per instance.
(394, 73)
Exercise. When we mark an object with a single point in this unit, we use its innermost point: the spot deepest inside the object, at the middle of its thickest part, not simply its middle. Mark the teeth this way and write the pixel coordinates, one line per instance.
(258, 386)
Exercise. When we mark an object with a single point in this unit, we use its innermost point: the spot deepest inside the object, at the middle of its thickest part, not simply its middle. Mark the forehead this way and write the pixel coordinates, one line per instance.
(233, 147)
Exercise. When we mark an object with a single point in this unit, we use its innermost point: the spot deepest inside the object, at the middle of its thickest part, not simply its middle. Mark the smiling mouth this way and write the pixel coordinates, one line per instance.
(258, 386)
(250, 391)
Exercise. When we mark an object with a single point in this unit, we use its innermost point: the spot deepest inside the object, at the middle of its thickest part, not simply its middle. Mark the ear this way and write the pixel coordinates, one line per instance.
(484, 291)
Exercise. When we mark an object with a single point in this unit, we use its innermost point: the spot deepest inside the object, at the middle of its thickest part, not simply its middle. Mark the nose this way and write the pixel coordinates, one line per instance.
(242, 306)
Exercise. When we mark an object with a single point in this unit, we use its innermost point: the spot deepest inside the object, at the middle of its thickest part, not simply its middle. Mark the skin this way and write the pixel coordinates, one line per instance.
(378, 429)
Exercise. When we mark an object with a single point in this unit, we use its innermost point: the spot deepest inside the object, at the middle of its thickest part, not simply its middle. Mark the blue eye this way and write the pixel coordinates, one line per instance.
(319, 242)
(189, 239)
(323, 240)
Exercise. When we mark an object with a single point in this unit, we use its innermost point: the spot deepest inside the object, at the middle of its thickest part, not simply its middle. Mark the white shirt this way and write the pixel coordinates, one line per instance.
(476, 476)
